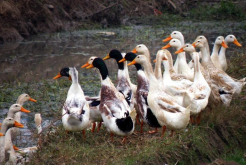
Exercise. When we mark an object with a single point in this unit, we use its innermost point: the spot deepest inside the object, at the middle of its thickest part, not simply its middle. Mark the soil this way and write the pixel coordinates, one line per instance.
(20, 19)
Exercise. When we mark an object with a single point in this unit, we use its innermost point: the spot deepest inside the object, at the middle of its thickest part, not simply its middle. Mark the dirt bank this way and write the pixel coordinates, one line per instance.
(20, 19)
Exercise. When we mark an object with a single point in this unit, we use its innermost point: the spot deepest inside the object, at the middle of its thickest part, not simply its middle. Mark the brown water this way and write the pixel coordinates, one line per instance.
(41, 57)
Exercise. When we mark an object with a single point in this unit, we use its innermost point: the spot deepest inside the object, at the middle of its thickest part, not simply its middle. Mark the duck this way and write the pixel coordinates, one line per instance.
(176, 89)
(123, 84)
(222, 57)
(20, 100)
(144, 112)
(76, 111)
(183, 67)
(117, 116)
(175, 35)
(142, 49)
(168, 112)
(5, 135)
(94, 102)
(227, 86)
(214, 98)
(197, 95)
(215, 56)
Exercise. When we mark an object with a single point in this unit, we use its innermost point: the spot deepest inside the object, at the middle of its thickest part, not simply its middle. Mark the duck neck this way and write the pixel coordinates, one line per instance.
(205, 55)
(197, 71)
(157, 70)
(166, 75)
(148, 70)
(216, 49)
(11, 114)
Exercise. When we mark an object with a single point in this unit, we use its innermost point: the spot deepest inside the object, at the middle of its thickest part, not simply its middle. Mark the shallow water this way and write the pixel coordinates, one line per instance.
(41, 57)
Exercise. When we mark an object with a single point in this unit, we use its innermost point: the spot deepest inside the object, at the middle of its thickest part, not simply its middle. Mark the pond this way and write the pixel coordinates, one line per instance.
(41, 57)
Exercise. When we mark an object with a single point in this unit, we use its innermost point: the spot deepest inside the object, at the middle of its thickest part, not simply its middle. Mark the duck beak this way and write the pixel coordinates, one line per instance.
(69, 78)
(1, 134)
(24, 110)
(167, 46)
(224, 44)
(15, 148)
(19, 125)
(179, 51)
(105, 58)
(155, 61)
(57, 76)
(132, 63)
(85, 65)
(193, 44)
(236, 42)
(167, 39)
(90, 66)
(122, 60)
(33, 100)
(134, 50)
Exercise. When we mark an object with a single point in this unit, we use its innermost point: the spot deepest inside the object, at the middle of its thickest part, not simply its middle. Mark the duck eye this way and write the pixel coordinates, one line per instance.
(16, 106)
(174, 33)
(187, 45)
(138, 56)
(230, 36)
(173, 41)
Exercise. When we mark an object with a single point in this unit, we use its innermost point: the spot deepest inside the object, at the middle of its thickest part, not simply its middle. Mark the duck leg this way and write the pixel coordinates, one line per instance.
(112, 136)
(163, 131)
(15, 148)
(141, 127)
(99, 126)
(93, 127)
(83, 134)
(172, 133)
(198, 119)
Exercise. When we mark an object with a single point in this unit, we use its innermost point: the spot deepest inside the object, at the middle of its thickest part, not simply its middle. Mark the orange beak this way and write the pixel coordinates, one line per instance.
(105, 58)
(33, 100)
(236, 42)
(57, 76)
(15, 148)
(155, 61)
(85, 65)
(132, 63)
(24, 110)
(1, 134)
(224, 44)
(167, 46)
(179, 51)
(194, 44)
(134, 50)
(90, 66)
(122, 60)
(167, 39)
(19, 125)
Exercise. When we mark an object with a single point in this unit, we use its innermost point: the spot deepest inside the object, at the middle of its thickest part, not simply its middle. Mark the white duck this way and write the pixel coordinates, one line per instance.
(198, 93)
(214, 98)
(76, 111)
(176, 35)
(183, 67)
(167, 111)
(176, 89)
(4, 136)
(215, 56)
(94, 102)
(116, 114)
(142, 49)
(144, 112)
(222, 56)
